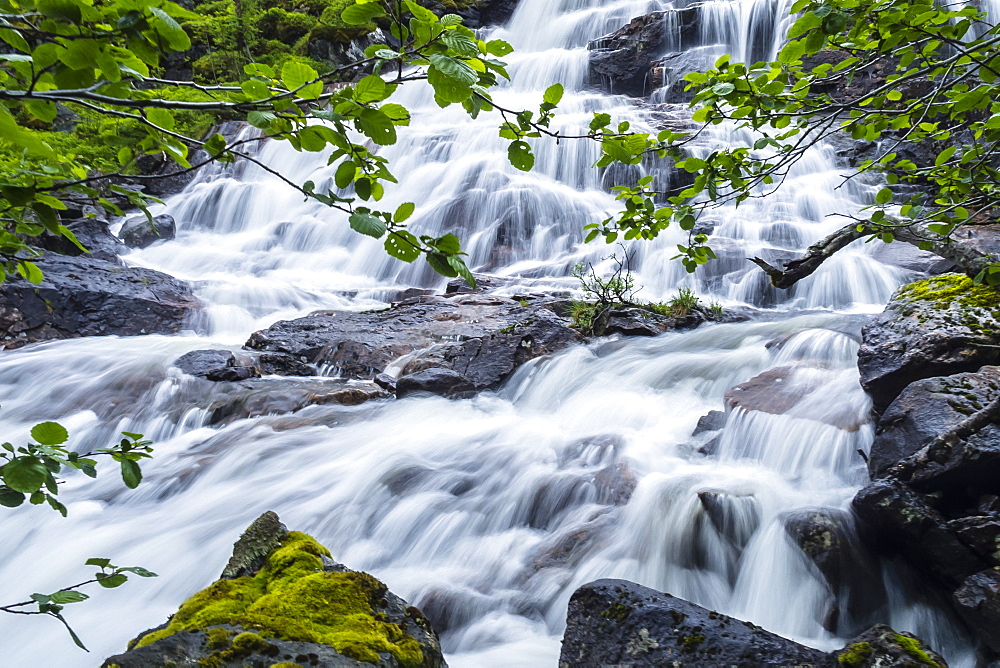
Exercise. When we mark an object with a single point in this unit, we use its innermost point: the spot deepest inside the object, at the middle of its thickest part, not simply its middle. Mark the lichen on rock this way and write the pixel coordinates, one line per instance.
(299, 600)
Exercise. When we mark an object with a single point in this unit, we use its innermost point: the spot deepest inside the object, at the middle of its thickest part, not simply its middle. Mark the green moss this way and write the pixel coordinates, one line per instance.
(691, 643)
(912, 647)
(286, 664)
(617, 612)
(945, 290)
(855, 655)
(293, 598)
(217, 638)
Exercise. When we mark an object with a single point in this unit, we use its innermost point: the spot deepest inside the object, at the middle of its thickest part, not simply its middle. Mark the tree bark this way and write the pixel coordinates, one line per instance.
(969, 259)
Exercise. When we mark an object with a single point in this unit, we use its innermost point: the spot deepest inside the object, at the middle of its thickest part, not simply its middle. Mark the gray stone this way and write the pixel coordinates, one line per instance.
(84, 296)
(139, 232)
(881, 646)
(250, 551)
(445, 382)
(978, 601)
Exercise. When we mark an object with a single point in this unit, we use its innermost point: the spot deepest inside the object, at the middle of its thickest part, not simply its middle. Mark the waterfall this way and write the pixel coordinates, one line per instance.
(486, 513)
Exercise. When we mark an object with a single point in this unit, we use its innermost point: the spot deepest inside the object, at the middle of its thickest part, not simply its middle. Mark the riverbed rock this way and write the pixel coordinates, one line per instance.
(83, 296)
(978, 601)
(218, 365)
(480, 337)
(882, 646)
(926, 409)
(642, 322)
(621, 61)
(900, 520)
(140, 232)
(780, 390)
(445, 382)
(282, 598)
(620, 623)
(935, 327)
(93, 233)
(281, 396)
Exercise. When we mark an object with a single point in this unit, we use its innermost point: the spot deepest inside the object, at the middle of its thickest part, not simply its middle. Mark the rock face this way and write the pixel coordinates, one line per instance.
(936, 327)
(926, 409)
(139, 232)
(619, 623)
(82, 296)
(641, 322)
(283, 599)
(95, 236)
(621, 61)
(219, 365)
(480, 338)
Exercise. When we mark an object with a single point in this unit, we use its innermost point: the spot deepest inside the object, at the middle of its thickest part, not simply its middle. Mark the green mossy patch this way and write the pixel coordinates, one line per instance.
(912, 647)
(943, 291)
(855, 655)
(293, 598)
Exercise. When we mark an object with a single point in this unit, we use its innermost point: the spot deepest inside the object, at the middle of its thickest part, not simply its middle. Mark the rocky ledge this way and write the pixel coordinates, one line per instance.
(934, 499)
(283, 602)
(452, 346)
(86, 296)
(620, 623)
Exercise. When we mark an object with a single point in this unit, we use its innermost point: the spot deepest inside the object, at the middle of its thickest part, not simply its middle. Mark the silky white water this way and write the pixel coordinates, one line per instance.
(486, 513)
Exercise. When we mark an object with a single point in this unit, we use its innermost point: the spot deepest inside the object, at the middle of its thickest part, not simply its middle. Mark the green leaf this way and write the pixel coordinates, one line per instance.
(520, 155)
(402, 245)
(553, 94)
(295, 74)
(10, 498)
(377, 126)
(139, 570)
(111, 581)
(360, 14)
(371, 89)
(345, 174)
(131, 473)
(440, 264)
(365, 223)
(454, 69)
(98, 561)
(49, 433)
(884, 196)
(25, 474)
(261, 119)
(68, 596)
(458, 264)
(404, 211)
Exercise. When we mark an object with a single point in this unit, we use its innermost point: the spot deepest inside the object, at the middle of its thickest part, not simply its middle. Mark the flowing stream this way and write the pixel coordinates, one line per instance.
(488, 512)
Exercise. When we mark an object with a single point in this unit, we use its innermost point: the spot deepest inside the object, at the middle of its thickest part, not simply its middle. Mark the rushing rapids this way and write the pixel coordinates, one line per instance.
(486, 513)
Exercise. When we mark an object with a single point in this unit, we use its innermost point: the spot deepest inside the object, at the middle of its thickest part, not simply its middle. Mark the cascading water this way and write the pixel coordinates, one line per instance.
(487, 513)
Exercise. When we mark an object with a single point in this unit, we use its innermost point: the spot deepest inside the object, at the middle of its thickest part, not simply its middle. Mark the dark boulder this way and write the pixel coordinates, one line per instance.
(668, 76)
(281, 396)
(82, 296)
(619, 623)
(926, 409)
(93, 233)
(900, 520)
(480, 337)
(881, 646)
(935, 327)
(780, 390)
(217, 365)
(642, 322)
(446, 382)
(283, 599)
(139, 232)
(978, 601)
(621, 61)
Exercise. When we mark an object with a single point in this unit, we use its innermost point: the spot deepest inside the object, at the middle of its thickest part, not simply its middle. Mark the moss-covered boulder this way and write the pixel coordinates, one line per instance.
(620, 623)
(935, 327)
(283, 602)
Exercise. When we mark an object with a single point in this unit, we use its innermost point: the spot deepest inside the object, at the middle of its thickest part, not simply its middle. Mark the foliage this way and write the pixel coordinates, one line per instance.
(109, 577)
(32, 471)
(940, 67)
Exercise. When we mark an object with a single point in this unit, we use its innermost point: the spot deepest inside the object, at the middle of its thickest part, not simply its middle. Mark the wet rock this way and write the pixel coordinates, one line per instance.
(926, 409)
(93, 233)
(780, 390)
(711, 421)
(282, 598)
(445, 382)
(735, 517)
(978, 601)
(640, 322)
(83, 296)
(482, 338)
(882, 646)
(981, 533)
(139, 232)
(280, 396)
(615, 622)
(828, 538)
(621, 61)
(615, 484)
(900, 520)
(935, 327)
(282, 365)
(668, 76)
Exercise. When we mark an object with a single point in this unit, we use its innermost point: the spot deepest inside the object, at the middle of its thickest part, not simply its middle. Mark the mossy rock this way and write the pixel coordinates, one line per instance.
(935, 327)
(299, 607)
(882, 646)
